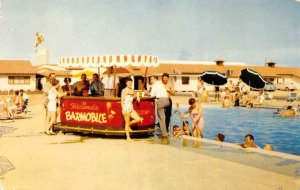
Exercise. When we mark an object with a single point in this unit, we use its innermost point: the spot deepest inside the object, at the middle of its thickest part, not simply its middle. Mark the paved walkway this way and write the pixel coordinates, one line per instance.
(78, 162)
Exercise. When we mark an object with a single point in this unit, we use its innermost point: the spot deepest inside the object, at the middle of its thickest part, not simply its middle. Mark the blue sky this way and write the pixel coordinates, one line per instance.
(250, 31)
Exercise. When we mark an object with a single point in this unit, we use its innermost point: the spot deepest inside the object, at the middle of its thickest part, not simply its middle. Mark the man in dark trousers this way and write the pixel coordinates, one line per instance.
(171, 92)
(159, 91)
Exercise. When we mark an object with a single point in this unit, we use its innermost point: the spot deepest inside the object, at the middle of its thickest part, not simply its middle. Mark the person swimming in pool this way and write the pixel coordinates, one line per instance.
(278, 112)
(249, 142)
(268, 147)
(289, 112)
(220, 137)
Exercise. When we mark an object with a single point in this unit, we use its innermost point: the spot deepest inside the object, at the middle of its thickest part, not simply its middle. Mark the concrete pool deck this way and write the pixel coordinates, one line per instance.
(80, 162)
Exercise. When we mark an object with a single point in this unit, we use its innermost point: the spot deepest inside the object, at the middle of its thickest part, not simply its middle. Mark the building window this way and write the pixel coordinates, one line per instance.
(229, 72)
(267, 79)
(19, 80)
(185, 80)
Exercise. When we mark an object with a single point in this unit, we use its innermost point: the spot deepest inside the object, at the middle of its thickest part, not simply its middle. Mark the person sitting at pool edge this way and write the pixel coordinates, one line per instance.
(220, 137)
(176, 131)
(186, 129)
(249, 142)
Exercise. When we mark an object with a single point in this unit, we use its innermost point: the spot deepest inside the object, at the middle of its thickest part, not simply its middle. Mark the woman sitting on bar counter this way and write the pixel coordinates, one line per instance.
(81, 88)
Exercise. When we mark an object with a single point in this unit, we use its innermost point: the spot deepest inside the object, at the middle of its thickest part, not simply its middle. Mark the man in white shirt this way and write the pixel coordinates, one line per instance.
(159, 91)
(111, 83)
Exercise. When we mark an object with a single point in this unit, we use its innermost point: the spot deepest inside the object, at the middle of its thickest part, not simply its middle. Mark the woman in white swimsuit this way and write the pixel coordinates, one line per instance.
(128, 112)
(51, 106)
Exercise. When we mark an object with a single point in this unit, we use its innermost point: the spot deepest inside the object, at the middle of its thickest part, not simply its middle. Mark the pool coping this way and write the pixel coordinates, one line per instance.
(235, 146)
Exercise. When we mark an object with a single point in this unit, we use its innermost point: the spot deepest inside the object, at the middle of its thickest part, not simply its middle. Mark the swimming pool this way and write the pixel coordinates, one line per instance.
(283, 133)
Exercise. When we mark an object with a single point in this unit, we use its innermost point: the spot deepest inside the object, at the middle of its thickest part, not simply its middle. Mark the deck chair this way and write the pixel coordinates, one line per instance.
(5, 112)
(292, 97)
(25, 105)
(267, 97)
(21, 111)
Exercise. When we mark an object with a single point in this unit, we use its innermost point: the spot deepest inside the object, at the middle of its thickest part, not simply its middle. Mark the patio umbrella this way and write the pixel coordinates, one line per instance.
(88, 73)
(252, 78)
(214, 77)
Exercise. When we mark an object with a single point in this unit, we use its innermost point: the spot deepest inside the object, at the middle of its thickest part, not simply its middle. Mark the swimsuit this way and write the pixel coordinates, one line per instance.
(52, 100)
(128, 106)
(198, 120)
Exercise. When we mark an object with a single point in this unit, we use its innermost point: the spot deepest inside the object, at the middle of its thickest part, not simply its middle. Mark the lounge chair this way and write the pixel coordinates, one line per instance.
(292, 97)
(267, 96)
(5, 112)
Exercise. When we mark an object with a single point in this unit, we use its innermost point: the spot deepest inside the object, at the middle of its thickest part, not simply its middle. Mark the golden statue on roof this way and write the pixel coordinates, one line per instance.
(39, 39)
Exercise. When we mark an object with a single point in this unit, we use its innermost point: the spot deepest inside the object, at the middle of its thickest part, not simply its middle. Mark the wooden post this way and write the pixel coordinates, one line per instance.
(145, 78)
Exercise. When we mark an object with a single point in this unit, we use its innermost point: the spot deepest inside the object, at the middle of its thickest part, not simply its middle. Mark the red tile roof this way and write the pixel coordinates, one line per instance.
(18, 67)
(265, 71)
(46, 72)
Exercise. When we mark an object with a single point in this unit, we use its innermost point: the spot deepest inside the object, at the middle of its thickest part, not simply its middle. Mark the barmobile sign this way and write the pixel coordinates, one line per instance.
(93, 116)
(101, 114)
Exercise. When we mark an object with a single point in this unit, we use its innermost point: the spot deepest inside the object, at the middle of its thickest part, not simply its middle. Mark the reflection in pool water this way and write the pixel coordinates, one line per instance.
(283, 133)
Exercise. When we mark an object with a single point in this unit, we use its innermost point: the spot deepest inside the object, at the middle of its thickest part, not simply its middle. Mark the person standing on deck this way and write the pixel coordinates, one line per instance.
(159, 91)
(53, 95)
(196, 112)
(111, 83)
(171, 92)
(131, 117)
(198, 93)
(46, 87)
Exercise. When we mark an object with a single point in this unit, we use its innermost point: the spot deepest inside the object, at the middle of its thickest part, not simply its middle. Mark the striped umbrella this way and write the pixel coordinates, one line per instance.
(214, 77)
(252, 78)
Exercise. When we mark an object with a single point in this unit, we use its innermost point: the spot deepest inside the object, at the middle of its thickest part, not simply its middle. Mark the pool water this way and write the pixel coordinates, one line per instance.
(282, 133)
